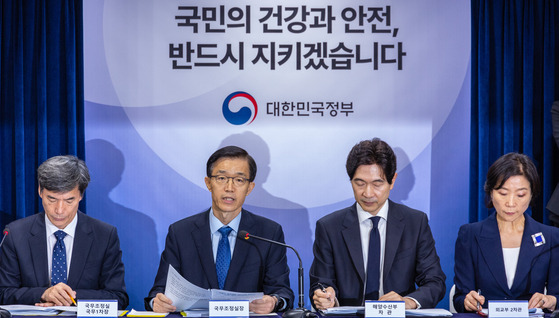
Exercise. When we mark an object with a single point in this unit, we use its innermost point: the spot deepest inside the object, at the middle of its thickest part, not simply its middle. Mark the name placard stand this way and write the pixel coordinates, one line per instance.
(229, 308)
(385, 309)
(508, 308)
(97, 308)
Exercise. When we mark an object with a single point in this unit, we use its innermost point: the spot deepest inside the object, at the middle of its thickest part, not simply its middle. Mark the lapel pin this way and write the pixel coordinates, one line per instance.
(538, 239)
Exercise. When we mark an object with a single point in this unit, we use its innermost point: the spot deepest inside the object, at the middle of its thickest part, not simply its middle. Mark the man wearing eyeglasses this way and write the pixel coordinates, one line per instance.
(203, 248)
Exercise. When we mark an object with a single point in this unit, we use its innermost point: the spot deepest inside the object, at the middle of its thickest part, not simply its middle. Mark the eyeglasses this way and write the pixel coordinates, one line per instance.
(237, 181)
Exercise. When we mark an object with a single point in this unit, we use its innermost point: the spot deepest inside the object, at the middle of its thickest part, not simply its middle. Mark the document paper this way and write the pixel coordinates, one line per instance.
(31, 310)
(187, 296)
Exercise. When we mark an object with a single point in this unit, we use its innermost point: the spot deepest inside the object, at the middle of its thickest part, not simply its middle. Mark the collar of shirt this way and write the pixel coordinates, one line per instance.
(365, 227)
(70, 229)
(215, 225)
(364, 216)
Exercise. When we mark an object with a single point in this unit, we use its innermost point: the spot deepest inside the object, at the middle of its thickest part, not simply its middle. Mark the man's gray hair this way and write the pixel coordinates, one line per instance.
(62, 174)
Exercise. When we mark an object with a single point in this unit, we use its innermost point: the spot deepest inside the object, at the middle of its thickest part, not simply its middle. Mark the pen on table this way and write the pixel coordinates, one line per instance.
(72, 298)
(479, 308)
(323, 288)
(479, 294)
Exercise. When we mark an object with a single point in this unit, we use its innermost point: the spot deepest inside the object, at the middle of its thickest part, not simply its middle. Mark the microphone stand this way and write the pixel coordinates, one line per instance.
(300, 311)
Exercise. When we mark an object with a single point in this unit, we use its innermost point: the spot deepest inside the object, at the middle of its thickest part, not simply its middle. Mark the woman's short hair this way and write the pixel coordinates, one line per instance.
(510, 165)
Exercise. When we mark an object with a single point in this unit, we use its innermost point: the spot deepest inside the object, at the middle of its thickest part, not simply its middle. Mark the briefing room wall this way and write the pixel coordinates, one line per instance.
(147, 148)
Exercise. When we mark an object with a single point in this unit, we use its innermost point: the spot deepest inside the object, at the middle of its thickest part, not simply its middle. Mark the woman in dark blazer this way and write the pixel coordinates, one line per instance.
(507, 256)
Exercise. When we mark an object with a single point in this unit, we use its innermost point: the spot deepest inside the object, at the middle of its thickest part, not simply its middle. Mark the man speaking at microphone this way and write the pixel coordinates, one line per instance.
(60, 255)
(204, 248)
(375, 249)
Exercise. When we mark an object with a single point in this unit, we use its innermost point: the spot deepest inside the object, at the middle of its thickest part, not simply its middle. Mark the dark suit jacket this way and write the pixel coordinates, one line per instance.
(96, 269)
(410, 257)
(255, 265)
(553, 203)
(479, 264)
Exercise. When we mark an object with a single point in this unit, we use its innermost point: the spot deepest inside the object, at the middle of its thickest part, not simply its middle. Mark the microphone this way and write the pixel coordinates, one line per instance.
(300, 311)
(3, 312)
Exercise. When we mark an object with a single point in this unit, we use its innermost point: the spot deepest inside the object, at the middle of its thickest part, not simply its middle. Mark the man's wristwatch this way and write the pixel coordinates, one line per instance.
(280, 304)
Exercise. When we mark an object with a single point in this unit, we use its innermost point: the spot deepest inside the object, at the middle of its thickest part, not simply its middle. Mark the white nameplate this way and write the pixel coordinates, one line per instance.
(228, 308)
(392, 309)
(508, 308)
(97, 308)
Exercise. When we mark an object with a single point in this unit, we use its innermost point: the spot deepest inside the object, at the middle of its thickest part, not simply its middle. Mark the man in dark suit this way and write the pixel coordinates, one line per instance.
(205, 250)
(51, 257)
(374, 249)
(553, 203)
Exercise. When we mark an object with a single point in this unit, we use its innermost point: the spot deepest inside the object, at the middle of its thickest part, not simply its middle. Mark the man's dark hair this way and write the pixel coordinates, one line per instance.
(510, 165)
(231, 152)
(370, 152)
(62, 174)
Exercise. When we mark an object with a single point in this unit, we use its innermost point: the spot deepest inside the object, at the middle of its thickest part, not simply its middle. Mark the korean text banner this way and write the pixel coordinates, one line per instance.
(297, 85)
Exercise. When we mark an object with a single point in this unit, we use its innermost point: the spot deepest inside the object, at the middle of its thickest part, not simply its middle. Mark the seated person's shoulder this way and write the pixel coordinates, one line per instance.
(189, 222)
(98, 225)
(262, 221)
(335, 217)
(470, 230)
(410, 214)
(22, 226)
(25, 222)
(548, 230)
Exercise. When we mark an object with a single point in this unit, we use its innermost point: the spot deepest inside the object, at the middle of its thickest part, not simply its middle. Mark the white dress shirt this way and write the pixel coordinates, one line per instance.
(365, 227)
(70, 231)
(510, 256)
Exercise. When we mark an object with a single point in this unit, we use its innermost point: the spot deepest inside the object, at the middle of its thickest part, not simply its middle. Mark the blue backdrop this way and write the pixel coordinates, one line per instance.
(151, 127)
(41, 114)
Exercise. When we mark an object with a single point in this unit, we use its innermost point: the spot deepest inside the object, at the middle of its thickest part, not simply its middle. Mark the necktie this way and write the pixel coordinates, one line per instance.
(373, 262)
(58, 272)
(223, 257)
